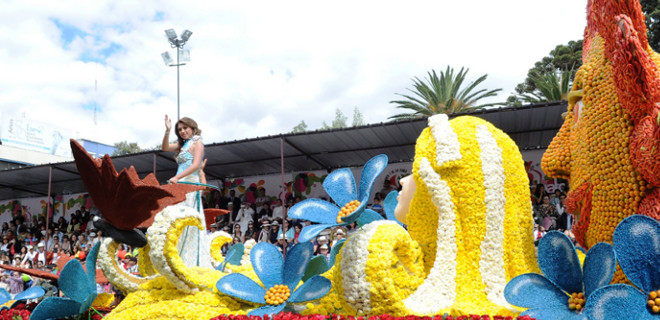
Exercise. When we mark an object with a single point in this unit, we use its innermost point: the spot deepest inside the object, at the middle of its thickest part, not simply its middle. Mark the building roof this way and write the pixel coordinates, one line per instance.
(531, 127)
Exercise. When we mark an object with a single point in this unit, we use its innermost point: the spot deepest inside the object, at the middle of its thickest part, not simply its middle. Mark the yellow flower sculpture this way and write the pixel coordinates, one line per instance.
(469, 230)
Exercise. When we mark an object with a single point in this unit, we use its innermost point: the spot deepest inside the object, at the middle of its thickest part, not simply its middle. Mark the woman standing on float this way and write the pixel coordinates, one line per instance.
(189, 148)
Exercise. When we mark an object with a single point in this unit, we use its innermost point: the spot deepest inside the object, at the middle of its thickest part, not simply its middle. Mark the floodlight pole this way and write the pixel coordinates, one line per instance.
(178, 42)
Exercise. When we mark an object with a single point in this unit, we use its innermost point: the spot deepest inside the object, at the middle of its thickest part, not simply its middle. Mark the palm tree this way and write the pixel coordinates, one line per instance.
(549, 87)
(443, 94)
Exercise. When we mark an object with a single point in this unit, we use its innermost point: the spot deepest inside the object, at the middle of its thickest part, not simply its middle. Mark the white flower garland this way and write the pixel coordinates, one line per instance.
(114, 273)
(157, 237)
(439, 288)
(491, 265)
(354, 256)
(446, 141)
(245, 260)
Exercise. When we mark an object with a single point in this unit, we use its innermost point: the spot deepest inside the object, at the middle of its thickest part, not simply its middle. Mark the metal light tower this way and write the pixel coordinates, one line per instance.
(182, 56)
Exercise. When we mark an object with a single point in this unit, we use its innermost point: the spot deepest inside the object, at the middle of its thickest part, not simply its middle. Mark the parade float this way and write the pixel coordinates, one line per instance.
(468, 246)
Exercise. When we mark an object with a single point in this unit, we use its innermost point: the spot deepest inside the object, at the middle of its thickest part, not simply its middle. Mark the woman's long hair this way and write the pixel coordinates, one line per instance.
(188, 122)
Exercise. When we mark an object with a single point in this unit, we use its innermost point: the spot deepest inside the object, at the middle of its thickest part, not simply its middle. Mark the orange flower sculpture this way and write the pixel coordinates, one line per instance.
(609, 145)
(125, 200)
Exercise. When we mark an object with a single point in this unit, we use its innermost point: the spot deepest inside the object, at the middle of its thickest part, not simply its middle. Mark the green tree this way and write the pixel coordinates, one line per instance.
(358, 120)
(125, 147)
(551, 86)
(300, 127)
(651, 9)
(443, 94)
(564, 57)
(338, 122)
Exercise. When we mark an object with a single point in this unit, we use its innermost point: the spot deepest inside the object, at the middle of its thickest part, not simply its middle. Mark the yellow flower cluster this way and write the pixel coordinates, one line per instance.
(394, 269)
(592, 147)
(465, 178)
(218, 239)
(653, 301)
(145, 267)
(103, 300)
(328, 304)
(159, 299)
(576, 301)
(196, 277)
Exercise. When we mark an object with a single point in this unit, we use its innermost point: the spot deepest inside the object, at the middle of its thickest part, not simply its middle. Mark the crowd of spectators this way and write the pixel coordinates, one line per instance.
(30, 244)
(264, 221)
(550, 212)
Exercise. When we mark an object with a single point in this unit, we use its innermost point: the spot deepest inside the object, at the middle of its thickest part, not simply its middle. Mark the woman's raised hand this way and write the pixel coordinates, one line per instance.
(168, 123)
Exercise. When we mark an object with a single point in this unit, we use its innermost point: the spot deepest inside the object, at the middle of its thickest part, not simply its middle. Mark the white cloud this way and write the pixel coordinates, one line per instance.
(257, 68)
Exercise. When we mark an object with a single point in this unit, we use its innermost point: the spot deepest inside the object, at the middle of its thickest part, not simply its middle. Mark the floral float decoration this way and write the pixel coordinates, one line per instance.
(609, 145)
(636, 242)
(455, 257)
(280, 278)
(320, 264)
(566, 289)
(78, 286)
(351, 201)
(9, 302)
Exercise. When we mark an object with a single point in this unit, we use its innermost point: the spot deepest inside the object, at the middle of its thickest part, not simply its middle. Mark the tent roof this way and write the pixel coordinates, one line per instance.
(531, 127)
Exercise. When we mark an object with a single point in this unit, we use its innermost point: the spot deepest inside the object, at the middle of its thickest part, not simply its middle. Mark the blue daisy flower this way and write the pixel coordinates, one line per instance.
(547, 297)
(320, 264)
(636, 241)
(340, 185)
(273, 270)
(78, 286)
(6, 300)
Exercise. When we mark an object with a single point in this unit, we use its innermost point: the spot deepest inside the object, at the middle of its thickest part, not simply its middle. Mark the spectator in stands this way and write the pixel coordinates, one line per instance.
(5, 228)
(378, 204)
(264, 234)
(261, 199)
(245, 215)
(278, 210)
(540, 193)
(66, 244)
(264, 211)
(286, 230)
(235, 203)
(237, 232)
(250, 232)
(274, 230)
(15, 283)
(29, 255)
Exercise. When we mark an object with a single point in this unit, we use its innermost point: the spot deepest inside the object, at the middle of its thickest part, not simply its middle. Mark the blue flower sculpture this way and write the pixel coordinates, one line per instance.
(340, 185)
(547, 297)
(320, 264)
(233, 256)
(78, 286)
(637, 245)
(273, 270)
(6, 300)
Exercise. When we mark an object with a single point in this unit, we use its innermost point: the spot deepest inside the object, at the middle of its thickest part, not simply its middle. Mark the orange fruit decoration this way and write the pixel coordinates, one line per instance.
(609, 145)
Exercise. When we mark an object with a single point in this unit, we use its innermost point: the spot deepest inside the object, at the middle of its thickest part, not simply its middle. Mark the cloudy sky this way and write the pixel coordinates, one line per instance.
(258, 67)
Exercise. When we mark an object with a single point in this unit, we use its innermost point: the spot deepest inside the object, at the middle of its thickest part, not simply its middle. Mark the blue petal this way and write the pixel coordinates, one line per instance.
(55, 308)
(316, 266)
(559, 261)
(31, 293)
(241, 287)
(617, 301)
(368, 216)
(371, 170)
(389, 204)
(553, 313)
(312, 289)
(267, 263)
(73, 282)
(599, 267)
(340, 186)
(233, 256)
(4, 296)
(296, 263)
(90, 264)
(267, 310)
(532, 290)
(334, 252)
(87, 303)
(310, 232)
(637, 244)
(315, 210)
